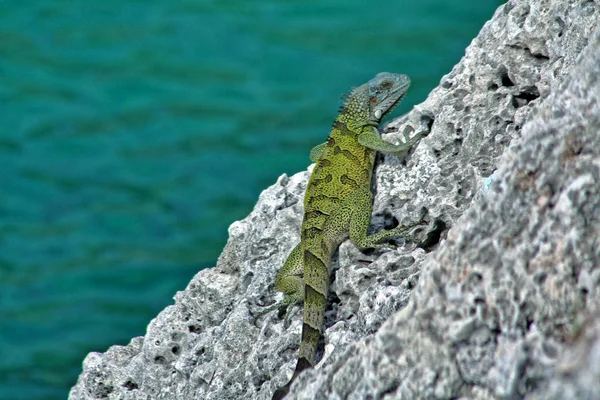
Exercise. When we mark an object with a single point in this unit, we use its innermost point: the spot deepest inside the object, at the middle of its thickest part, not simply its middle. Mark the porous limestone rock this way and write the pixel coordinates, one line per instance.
(508, 306)
(502, 299)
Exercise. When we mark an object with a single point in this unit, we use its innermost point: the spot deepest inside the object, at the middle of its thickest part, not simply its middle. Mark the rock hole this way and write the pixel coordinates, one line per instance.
(528, 322)
(391, 390)
(505, 79)
(540, 278)
(515, 103)
(247, 280)
(433, 236)
(561, 24)
(540, 56)
(368, 252)
(102, 390)
(528, 93)
(281, 312)
(392, 267)
(495, 121)
(389, 221)
(333, 299)
(408, 131)
(457, 144)
(385, 219)
(130, 385)
(446, 84)
(427, 121)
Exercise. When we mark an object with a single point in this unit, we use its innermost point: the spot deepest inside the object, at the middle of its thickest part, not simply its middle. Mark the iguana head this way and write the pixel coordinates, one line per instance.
(370, 102)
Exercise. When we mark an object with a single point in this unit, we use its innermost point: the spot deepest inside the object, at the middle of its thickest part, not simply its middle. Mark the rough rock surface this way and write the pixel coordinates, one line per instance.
(503, 303)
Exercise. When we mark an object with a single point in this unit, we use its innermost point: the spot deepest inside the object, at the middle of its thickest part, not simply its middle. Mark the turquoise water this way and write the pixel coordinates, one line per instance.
(133, 133)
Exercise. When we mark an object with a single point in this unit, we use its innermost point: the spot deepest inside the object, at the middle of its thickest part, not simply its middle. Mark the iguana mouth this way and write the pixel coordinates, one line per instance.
(391, 107)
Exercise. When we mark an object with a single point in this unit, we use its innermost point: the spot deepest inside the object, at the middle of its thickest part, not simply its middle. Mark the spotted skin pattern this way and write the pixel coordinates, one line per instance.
(338, 205)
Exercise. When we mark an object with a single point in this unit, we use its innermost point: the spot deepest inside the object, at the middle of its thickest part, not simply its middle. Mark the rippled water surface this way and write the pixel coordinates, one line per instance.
(132, 133)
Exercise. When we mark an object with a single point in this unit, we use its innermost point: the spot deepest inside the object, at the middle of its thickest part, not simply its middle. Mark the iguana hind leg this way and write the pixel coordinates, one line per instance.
(290, 281)
(360, 221)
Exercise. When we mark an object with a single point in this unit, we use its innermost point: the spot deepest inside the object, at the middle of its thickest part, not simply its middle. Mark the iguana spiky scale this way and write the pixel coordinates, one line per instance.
(338, 205)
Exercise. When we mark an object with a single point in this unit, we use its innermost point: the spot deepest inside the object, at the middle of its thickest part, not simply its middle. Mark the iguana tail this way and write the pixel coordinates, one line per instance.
(301, 365)
(316, 285)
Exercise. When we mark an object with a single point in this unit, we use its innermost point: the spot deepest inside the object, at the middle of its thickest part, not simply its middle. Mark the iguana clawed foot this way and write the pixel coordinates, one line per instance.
(284, 308)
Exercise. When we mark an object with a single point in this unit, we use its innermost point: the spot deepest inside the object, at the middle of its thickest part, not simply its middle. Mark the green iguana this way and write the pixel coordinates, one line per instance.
(338, 205)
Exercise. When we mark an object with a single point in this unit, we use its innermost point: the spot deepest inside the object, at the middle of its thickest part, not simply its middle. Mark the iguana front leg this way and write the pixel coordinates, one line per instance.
(361, 206)
(370, 138)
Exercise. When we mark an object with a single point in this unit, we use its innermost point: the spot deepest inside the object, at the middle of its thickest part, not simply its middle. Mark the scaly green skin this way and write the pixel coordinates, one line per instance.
(338, 205)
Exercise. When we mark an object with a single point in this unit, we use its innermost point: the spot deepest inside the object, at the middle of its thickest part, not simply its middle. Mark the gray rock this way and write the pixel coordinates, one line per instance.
(507, 307)
(503, 303)
(576, 375)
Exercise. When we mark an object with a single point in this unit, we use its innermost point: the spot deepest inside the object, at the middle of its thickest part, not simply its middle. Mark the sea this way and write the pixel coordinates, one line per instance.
(133, 133)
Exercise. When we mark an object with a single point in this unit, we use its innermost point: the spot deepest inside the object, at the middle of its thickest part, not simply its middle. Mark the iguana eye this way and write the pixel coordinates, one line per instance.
(386, 84)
